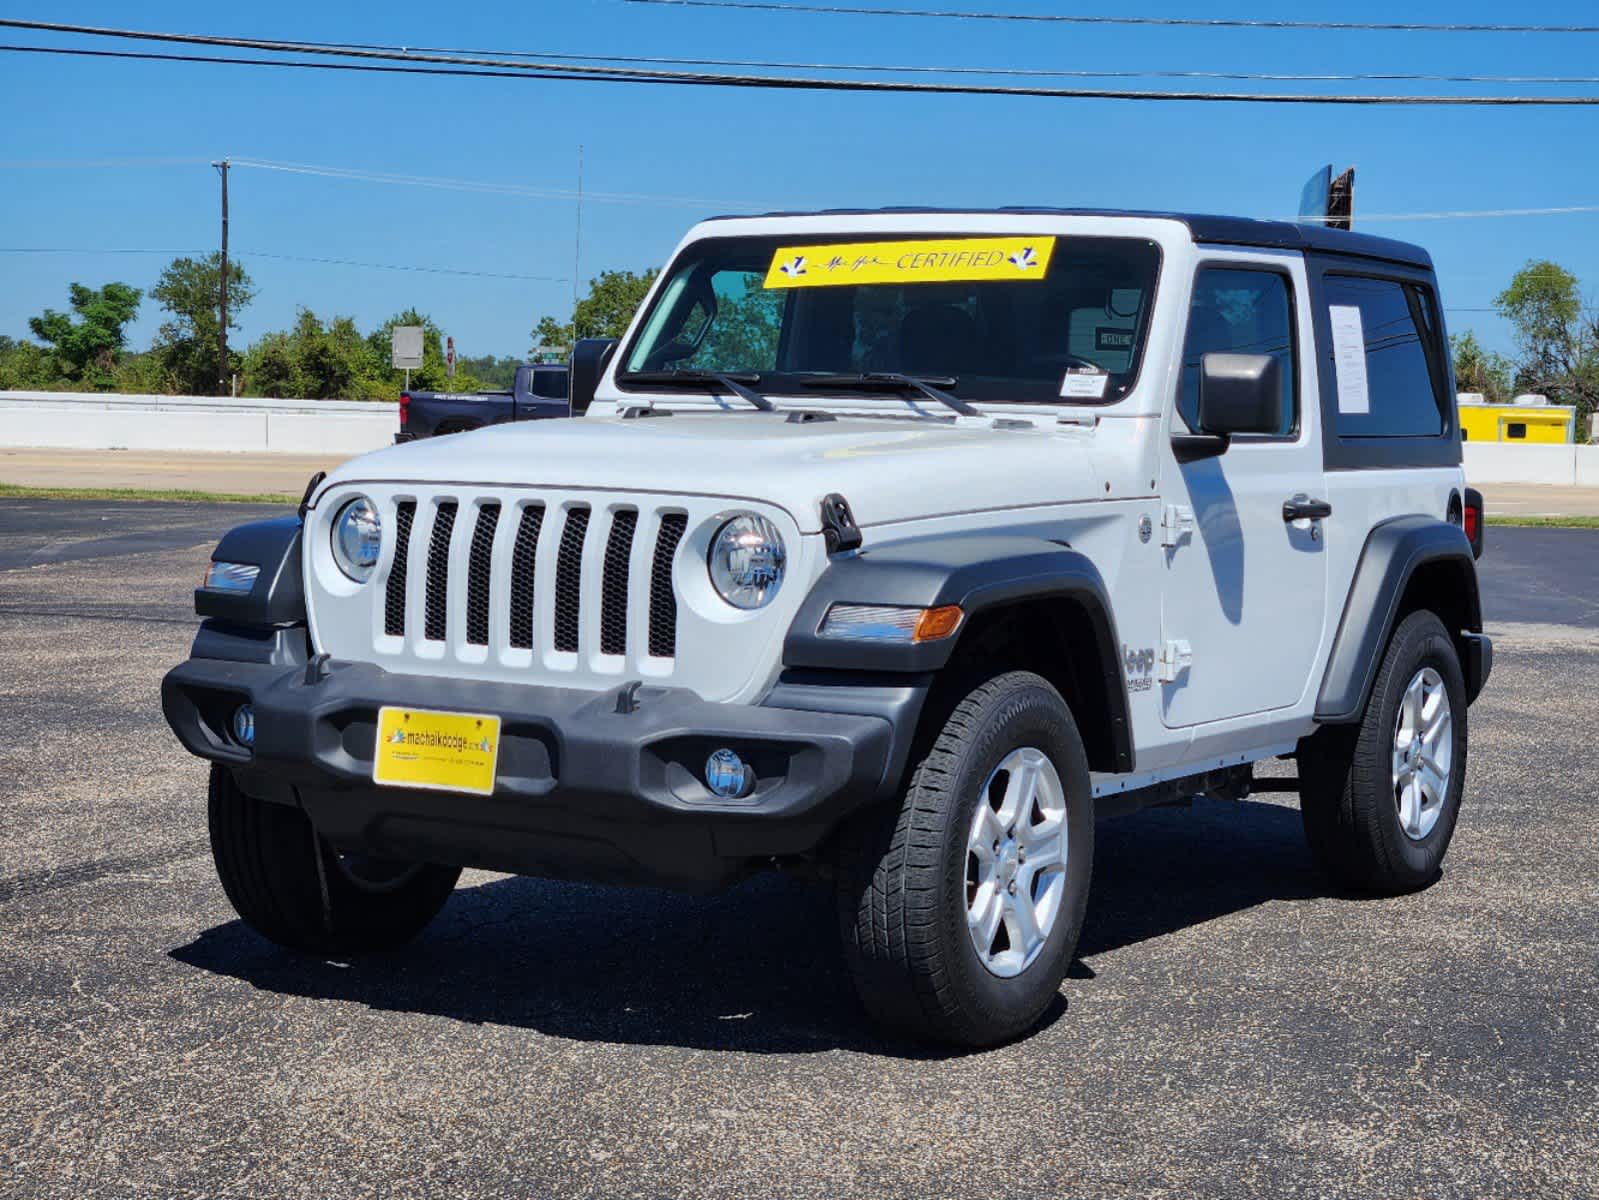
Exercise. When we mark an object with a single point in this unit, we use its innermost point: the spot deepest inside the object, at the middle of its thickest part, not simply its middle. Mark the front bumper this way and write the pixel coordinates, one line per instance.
(587, 786)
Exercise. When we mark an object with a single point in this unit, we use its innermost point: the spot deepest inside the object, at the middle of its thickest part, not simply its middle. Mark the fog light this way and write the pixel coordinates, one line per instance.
(244, 725)
(728, 776)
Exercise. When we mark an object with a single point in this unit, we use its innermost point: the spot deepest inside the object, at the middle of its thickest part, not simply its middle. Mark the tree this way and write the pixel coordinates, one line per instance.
(1479, 370)
(269, 366)
(1557, 335)
(605, 312)
(87, 348)
(743, 336)
(26, 365)
(189, 344)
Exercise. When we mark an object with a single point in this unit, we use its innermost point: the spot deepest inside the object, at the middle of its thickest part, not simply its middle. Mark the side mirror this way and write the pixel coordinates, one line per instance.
(1240, 393)
(589, 356)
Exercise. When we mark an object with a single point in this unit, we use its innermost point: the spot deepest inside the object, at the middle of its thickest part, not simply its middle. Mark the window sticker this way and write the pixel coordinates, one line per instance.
(943, 261)
(1084, 383)
(1349, 358)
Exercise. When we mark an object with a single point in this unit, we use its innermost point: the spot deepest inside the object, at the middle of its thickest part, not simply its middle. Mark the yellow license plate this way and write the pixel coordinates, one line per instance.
(447, 751)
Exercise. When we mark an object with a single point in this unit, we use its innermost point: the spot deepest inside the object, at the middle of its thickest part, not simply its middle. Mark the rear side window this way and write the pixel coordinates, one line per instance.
(549, 384)
(1240, 311)
(1399, 329)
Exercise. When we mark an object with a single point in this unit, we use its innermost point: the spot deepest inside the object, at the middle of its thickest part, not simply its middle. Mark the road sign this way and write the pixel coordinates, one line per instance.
(407, 347)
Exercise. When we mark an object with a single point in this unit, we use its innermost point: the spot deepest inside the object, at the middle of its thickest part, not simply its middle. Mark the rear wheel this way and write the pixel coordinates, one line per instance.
(1380, 799)
(962, 904)
(290, 886)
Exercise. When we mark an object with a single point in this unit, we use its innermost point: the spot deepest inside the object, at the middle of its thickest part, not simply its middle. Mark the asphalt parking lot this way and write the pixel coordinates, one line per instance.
(1231, 1029)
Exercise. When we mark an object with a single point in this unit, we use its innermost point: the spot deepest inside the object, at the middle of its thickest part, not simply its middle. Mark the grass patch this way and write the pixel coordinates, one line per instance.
(1546, 522)
(80, 493)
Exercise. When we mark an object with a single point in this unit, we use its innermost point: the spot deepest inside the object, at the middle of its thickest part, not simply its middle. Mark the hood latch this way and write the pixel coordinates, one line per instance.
(839, 531)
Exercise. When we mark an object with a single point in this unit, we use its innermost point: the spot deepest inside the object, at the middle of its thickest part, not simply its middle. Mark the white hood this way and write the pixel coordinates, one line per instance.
(888, 470)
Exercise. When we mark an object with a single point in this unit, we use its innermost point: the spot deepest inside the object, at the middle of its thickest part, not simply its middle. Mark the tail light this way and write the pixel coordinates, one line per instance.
(405, 409)
(1471, 519)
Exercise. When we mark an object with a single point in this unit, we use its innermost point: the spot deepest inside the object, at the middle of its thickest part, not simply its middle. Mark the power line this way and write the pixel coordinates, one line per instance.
(508, 68)
(1461, 214)
(471, 185)
(491, 187)
(339, 262)
(345, 262)
(466, 185)
(1012, 72)
(92, 163)
(1183, 22)
(97, 250)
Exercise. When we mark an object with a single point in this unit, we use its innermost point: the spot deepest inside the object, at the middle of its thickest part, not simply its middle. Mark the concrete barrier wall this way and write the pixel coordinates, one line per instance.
(92, 421)
(96, 421)
(1564, 466)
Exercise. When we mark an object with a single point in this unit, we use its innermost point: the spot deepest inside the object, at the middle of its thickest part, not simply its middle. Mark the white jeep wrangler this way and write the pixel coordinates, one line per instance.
(896, 546)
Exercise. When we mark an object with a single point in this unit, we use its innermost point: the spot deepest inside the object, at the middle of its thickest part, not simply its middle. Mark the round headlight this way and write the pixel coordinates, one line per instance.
(747, 560)
(357, 538)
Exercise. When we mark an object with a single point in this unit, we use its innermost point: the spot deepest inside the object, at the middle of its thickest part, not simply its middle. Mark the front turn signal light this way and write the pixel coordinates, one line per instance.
(891, 623)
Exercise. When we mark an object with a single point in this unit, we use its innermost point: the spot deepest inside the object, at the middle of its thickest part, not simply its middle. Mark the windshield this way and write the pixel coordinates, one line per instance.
(1032, 319)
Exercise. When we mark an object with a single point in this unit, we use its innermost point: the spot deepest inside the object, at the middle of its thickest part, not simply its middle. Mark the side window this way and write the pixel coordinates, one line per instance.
(1240, 311)
(1397, 325)
(549, 384)
(1516, 429)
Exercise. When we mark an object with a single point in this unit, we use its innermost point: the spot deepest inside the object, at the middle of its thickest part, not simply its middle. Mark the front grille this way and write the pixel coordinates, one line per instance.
(477, 578)
(569, 581)
(663, 597)
(394, 596)
(566, 576)
(523, 567)
(435, 599)
(613, 588)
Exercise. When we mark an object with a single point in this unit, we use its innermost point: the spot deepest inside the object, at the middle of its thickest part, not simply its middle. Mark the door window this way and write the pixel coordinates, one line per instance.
(1240, 311)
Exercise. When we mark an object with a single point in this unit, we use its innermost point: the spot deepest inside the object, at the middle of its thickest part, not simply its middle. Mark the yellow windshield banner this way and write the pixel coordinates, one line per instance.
(943, 261)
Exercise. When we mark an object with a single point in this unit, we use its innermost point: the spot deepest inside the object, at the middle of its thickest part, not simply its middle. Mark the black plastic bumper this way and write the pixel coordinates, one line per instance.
(585, 788)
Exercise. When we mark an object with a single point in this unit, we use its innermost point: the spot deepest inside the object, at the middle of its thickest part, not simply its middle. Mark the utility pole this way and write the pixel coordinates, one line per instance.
(577, 236)
(223, 385)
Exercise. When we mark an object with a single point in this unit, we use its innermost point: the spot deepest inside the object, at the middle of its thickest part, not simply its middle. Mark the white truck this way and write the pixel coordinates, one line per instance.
(895, 547)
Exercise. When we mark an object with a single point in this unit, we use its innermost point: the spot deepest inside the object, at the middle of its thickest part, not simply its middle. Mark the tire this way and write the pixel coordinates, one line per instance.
(906, 875)
(292, 887)
(1351, 799)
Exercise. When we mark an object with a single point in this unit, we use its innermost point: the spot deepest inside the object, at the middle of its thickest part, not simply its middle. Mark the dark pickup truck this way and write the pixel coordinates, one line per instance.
(540, 391)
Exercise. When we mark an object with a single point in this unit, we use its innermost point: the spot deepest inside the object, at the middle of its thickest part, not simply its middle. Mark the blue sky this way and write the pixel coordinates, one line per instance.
(713, 150)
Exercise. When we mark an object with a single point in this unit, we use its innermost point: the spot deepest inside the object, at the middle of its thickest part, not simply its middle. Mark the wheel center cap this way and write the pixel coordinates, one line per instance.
(1007, 859)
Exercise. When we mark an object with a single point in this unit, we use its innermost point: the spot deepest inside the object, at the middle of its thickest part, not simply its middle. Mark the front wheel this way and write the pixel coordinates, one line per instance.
(291, 887)
(962, 904)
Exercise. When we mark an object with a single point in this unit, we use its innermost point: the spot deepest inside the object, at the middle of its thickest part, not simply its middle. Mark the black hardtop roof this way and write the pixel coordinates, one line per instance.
(1205, 229)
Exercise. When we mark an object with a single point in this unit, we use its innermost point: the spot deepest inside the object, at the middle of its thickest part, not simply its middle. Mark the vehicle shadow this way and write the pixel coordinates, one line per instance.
(754, 969)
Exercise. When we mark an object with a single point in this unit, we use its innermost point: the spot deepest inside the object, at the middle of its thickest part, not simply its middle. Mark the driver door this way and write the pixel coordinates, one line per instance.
(1244, 599)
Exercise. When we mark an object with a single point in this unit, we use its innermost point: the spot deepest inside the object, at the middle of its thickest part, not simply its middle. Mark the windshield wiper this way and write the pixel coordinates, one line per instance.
(894, 381)
(677, 376)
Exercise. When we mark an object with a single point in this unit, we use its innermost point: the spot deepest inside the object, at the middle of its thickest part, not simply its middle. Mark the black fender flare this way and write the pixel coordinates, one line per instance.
(1394, 551)
(278, 596)
(977, 572)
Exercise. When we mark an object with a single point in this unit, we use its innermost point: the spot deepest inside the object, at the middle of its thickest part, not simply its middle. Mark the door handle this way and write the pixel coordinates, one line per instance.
(1303, 508)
